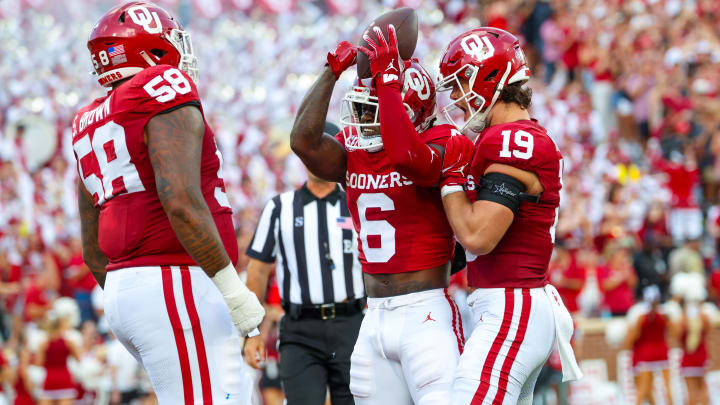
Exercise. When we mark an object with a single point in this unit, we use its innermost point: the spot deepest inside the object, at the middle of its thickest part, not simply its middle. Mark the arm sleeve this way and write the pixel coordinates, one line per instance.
(409, 155)
(263, 246)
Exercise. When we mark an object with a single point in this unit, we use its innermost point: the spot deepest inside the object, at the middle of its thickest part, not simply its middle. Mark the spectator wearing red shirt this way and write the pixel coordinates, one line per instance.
(683, 178)
(565, 276)
(617, 280)
(36, 300)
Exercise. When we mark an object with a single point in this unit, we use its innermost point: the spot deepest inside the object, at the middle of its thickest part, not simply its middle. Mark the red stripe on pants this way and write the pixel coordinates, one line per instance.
(460, 324)
(495, 349)
(197, 334)
(460, 342)
(512, 353)
(179, 335)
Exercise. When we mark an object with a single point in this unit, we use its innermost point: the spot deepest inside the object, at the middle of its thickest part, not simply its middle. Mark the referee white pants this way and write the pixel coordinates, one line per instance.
(176, 324)
(514, 334)
(407, 350)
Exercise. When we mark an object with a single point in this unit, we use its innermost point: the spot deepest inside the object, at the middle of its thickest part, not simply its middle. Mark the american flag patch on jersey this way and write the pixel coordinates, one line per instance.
(116, 50)
(344, 223)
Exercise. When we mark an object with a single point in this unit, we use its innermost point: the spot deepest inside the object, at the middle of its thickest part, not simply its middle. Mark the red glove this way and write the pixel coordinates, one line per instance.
(385, 63)
(458, 156)
(344, 56)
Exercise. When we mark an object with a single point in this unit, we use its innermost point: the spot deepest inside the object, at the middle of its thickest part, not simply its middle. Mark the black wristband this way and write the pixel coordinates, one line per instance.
(502, 189)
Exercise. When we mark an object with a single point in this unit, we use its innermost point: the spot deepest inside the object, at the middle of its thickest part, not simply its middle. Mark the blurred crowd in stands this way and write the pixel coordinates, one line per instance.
(627, 88)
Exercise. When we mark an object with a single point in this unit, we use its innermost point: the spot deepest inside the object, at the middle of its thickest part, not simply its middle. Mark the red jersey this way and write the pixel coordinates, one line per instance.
(698, 358)
(521, 258)
(401, 227)
(619, 299)
(115, 168)
(57, 376)
(37, 296)
(651, 345)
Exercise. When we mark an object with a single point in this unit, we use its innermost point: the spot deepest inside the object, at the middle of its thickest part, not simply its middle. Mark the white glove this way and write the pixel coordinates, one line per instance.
(246, 312)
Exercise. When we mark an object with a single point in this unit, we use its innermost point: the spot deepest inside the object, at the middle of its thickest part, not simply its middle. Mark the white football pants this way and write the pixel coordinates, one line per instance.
(407, 350)
(174, 321)
(514, 334)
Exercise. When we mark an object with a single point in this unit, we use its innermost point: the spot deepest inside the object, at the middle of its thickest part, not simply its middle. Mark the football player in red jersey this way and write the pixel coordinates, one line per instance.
(506, 224)
(411, 337)
(154, 213)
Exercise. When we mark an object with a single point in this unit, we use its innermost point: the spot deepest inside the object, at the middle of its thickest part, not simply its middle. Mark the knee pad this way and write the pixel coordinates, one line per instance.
(429, 366)
(361, 375)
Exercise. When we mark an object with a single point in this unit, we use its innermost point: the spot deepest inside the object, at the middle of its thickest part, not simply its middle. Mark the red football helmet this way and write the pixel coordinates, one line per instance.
(489, 59)
(418, 93)
(135, 36)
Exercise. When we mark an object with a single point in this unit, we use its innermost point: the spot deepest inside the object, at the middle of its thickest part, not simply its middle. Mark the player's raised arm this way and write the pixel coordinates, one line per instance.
(409, 155)
(322, 154)
(174, 141)
(92, 255)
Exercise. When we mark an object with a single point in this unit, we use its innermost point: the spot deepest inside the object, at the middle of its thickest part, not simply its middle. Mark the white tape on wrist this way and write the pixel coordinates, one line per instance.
(449, 189)
(245, 309)
(228, 281)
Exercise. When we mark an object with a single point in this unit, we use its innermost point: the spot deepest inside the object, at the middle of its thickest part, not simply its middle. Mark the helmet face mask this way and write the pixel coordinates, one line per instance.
(360, 112)
(472, 101)
(183, 43)
(355, 109)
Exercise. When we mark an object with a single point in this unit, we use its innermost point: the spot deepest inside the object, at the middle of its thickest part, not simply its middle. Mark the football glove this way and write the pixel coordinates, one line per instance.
(456, 162)
(385, 63)
(344, 56)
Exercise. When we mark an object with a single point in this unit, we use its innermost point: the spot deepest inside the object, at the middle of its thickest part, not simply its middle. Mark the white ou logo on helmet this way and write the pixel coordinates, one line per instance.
(416, 81)
(479, 48)
(142, 16)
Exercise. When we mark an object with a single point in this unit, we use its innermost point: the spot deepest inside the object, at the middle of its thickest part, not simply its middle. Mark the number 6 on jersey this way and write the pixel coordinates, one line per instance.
(381, 228)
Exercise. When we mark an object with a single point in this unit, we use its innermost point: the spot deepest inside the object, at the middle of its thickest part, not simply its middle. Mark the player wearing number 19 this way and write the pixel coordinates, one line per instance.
(506, 223)
(154, 213)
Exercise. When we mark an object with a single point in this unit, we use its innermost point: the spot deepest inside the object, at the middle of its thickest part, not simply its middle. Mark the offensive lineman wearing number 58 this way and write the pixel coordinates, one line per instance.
(156, 223)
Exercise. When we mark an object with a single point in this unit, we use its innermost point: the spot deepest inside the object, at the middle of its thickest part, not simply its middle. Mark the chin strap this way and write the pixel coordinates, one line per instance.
(482, 117)
(147, 58)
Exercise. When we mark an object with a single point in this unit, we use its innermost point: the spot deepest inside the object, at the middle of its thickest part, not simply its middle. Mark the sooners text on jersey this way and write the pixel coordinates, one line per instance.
(114, 166)
(520, 260)
(401, 227)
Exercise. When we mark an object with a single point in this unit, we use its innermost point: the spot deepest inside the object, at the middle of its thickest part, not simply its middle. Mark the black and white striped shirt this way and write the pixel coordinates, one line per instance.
(314, 244)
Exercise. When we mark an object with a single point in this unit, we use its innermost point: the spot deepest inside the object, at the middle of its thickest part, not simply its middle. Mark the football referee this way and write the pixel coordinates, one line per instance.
(308, 234)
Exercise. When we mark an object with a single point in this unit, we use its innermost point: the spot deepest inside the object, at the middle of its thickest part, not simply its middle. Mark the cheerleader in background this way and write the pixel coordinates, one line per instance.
(53, 354)
(691, 328)
(647, 338)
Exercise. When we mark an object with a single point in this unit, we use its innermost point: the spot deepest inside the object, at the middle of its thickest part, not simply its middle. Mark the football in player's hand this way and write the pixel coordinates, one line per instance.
(406, 25)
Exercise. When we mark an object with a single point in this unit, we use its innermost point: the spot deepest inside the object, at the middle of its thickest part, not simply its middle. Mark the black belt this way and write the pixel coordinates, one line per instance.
(325, 311)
